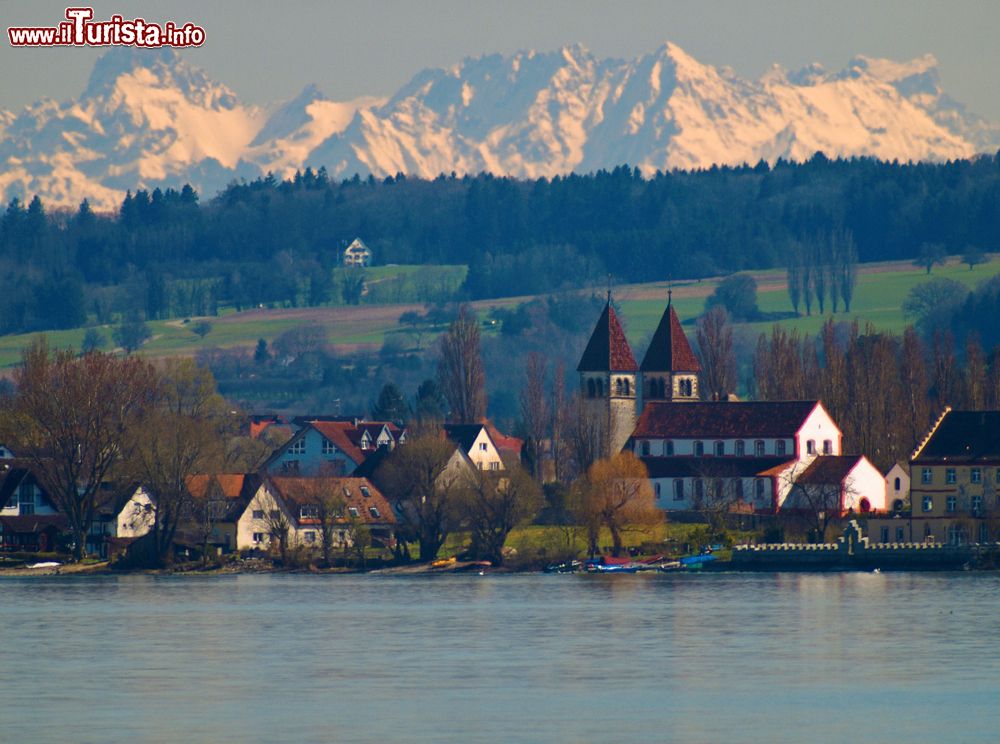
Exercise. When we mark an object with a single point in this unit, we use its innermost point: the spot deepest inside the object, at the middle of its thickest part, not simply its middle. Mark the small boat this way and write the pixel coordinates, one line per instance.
(444, 562)
(566, 567)
(608, 564)
(44, 564)
(668, 566)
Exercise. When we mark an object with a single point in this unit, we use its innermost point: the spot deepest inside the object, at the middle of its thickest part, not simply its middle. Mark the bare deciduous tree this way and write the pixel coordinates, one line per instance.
(494, 503)
(715, 347)
(76, 420)
(460, 368)
(534, 411)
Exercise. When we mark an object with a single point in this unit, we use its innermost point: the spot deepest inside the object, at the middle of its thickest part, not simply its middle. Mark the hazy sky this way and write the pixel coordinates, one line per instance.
(267, 51)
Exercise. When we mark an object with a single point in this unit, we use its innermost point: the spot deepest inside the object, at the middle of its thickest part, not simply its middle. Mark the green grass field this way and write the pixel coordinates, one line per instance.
(880, 292)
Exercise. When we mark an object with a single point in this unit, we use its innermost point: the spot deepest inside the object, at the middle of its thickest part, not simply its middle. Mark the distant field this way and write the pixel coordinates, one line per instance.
(880, 292)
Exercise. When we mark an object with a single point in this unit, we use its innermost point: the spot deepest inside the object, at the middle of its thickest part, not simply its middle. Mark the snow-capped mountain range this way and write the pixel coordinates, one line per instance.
(148, 118)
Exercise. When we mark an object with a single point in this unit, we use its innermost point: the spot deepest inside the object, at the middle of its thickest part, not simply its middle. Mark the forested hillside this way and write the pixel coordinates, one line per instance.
(170, 254)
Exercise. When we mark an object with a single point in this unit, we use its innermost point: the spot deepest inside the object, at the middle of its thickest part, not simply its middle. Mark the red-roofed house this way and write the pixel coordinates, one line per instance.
(318, 448)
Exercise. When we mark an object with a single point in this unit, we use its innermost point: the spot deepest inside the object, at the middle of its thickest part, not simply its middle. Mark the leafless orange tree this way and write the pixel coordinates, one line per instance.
(617, 495)
(460, 368)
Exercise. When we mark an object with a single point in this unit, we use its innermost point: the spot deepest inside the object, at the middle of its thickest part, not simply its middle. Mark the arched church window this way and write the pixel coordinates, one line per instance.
(591, 388)
(628, 387)
(600, 388)
(618, 386)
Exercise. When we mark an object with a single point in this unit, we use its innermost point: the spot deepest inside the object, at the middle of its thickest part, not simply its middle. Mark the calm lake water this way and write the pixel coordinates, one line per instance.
(519, 658)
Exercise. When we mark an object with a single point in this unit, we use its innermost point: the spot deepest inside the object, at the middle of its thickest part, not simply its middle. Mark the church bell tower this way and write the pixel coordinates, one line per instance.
(608, 382)
(669, 371)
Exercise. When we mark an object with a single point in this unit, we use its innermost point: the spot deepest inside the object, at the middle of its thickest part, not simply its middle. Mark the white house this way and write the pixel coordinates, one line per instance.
(128, 517)
(844, 483)
(700, 453)
(475, 445)
(897, 487)
(297, 502)
(357, 254)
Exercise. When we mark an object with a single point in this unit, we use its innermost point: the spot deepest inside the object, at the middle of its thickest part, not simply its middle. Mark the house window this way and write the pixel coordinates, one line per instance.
(679, 489)
(26, 499)
(741, 448)
(645, 448)
(758, 448)
(956, 535)
(758, 487)
(374, 512)
(258, 513)
(258, 537)
(977, 505)
(739, 488)
(720, 449)
(668, 447)
(976, 475)
(900, 534)
(275, 514)
(950, 503)
(811, 447)
(353, 512)
(926, 476)
(366, 492)
(779, 447)
(347, 492)
(885, 534)
(628, 387)
(308, 512)
(949, 475)
(699, 489)
(718, 489)
(656, 490)
(328, 448)
(482, 446)
(927, 531)
(984, 532)
(699, 449)
(827, 446)
(897, 484)
(927, 504)
(310, 536)
(298, 447)
(591, 389)
(897, 505)
(494, 466)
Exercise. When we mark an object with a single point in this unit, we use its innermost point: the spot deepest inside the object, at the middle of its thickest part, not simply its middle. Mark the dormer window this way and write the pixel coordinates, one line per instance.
(309, 511)
(353, 511)
(366, 492)
(347, 492)
(374, 512)
(328, 447)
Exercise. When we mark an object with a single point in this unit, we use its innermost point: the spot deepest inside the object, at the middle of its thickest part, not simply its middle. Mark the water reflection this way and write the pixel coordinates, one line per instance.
(770, 657)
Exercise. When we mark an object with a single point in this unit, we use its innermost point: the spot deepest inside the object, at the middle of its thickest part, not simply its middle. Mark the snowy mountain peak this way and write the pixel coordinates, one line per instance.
(149, 118)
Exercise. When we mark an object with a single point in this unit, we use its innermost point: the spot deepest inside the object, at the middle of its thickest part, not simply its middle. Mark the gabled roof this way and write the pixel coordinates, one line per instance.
(704, 420)
(357, 245)
(236, 488)
(827, 469)
(608, 349)
(464, 435)
(13, 472)
(963, 436)
(297, 492)
(337, 432)
(669, 350)
(504, 442)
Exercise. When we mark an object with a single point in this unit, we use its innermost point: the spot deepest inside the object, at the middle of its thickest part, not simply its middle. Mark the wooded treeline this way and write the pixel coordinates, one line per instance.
(268, 241)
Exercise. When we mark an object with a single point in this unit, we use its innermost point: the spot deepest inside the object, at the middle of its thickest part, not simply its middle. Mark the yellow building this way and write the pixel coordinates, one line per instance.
(954, 479)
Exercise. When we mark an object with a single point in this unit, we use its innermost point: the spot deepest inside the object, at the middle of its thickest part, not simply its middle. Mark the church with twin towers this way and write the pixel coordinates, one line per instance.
(615, 389)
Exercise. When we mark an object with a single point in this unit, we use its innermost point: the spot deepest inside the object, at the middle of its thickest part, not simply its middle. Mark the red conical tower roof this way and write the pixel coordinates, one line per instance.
(669, 351)
(608, 349)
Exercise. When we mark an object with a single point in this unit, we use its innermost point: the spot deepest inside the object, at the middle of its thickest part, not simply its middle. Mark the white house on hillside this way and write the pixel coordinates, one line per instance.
(357, 254)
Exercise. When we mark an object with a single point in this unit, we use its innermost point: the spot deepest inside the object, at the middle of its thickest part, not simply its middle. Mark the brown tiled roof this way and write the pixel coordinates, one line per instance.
(827, 469)
(747, 420)
(236, 488)
(297, 492)
(337, 432)
(608, 349)
(964, 436)
(669, 351)
(502, 441)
